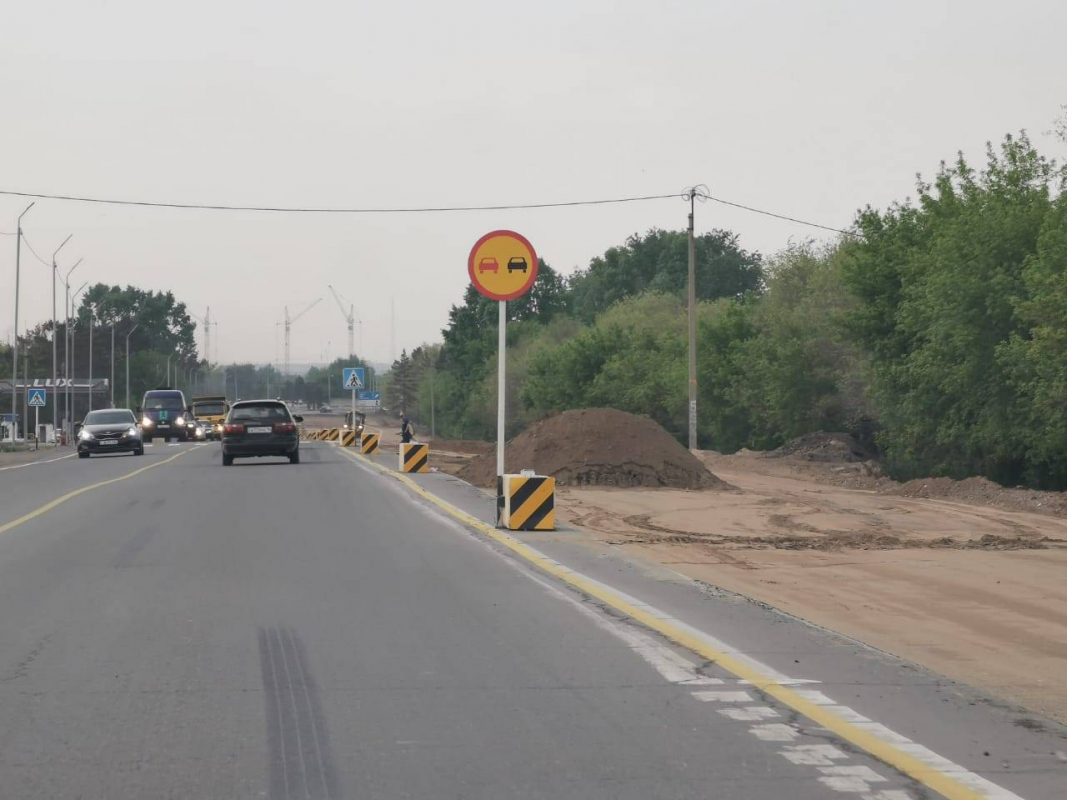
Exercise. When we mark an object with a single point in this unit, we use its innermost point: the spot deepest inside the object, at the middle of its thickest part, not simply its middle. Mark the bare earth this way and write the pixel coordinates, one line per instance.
(968, 586)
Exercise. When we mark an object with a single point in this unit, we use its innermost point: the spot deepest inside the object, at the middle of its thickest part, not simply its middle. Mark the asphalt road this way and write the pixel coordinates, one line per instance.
(185, 630)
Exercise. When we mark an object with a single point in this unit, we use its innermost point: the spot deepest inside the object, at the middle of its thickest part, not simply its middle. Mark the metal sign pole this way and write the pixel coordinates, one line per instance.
(502, 346)
(37, 428)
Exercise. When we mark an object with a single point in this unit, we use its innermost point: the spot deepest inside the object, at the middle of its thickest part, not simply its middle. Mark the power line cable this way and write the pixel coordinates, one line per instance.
(322, 210)
(772, 214)
(700, 192)
(27, 241)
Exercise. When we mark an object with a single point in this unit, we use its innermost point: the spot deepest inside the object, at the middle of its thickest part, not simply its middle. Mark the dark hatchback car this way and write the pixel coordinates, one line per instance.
(255, 428)
(110, 431)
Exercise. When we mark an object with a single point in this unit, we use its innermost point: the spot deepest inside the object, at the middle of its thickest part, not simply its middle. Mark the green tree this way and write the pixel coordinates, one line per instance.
(659, 261)
(939, 284)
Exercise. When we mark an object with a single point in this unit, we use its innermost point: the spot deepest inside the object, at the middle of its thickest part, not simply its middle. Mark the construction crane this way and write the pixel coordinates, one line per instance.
(206, 319)
(289, 323)
(351, 319)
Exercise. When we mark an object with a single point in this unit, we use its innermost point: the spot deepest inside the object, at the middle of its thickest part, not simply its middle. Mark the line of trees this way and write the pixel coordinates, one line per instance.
(935, 331)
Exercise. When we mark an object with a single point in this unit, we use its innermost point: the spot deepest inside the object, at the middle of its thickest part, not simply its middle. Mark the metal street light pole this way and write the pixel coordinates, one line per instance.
(66, 344)
(73, 362)
(91, 357)
(112, 386)
(15, 349)
(128, 335)
(55, 332)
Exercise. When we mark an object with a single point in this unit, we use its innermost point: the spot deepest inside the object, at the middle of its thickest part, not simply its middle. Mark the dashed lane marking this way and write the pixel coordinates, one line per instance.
(35, 463)
(71, 495)
(924, 766)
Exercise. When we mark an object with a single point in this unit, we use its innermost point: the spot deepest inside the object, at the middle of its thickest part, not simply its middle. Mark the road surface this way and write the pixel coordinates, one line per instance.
(170, 628)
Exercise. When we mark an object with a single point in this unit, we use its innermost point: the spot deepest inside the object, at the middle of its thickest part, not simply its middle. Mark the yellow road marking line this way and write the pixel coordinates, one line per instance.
(929, 776)
(71, 495)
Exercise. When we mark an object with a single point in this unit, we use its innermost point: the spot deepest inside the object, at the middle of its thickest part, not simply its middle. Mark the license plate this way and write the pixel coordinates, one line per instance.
(259, 430)
(106, 442)
(163, 425)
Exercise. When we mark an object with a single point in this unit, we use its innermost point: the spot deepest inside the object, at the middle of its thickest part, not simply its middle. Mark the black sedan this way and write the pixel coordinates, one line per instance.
(260, 428)
(111, 430)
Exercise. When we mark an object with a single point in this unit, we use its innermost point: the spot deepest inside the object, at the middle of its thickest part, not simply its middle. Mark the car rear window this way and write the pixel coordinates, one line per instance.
(110, 418)
(260, 412)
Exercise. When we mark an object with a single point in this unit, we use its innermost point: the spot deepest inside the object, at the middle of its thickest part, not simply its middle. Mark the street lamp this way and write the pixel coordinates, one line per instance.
(73, 363)
(128, 335)
(55, 332)
(91, 312)
(15, 350)
(66, 343)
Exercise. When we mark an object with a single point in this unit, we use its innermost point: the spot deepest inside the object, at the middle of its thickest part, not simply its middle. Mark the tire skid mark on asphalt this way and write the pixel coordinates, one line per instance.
(925, 767)
(4, 528)
(129, 551)
(301, 765)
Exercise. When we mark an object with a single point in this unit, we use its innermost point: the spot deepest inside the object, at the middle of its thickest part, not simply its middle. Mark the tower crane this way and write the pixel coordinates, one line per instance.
(351, 318)
(289, 323)
(206, 319)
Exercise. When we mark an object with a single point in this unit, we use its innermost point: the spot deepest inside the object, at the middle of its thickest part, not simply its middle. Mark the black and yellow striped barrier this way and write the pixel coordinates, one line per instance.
(369, 443)
(314, 436)
(348, 439)
(529, 503)
(333, 434)
(414, 457)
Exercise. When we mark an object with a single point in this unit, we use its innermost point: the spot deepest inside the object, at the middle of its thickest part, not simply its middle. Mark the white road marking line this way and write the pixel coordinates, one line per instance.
(844, 783)
(768, 732)
(817, 755)
(673, 666)
(172, 444)
(863, 773)
(774, 732)
(35, 463)
(888, 794)
(749, 713)
(724, 697)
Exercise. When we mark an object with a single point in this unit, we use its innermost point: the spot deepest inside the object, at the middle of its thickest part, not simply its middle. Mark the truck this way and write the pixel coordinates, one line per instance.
(211, 409)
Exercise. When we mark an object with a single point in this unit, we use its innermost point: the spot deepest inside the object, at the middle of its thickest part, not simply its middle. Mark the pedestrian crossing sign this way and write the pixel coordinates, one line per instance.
(35, 398)
(352, 377)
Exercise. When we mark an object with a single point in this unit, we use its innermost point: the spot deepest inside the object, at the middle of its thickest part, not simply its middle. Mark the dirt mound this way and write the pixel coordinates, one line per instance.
(826, 448)
(598, 447)
(982, 491)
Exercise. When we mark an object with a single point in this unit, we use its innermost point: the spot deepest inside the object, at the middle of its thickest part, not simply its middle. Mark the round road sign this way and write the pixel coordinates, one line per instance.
(502, 265)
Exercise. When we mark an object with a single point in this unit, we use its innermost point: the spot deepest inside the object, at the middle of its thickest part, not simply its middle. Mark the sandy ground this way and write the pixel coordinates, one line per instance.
(975, 592)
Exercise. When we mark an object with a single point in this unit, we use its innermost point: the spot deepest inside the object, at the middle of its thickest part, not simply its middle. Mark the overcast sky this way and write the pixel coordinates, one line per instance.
(810, 109)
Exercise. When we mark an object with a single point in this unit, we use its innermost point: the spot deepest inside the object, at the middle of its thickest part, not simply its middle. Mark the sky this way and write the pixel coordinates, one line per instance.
(811, 110)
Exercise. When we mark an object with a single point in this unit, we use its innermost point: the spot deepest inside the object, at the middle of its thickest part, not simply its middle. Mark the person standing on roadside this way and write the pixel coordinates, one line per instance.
(407, 430)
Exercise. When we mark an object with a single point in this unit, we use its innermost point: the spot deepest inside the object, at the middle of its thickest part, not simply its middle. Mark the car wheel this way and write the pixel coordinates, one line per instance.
(139, 451)
(227, 461)
(83, 455)
(294, 458)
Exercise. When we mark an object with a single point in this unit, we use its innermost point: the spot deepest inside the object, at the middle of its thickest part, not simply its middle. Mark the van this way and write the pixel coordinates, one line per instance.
(163, 415)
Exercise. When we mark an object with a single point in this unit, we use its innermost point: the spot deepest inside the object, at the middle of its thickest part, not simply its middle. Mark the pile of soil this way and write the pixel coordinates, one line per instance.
(982, 492)
(598, 447)
(826, 448)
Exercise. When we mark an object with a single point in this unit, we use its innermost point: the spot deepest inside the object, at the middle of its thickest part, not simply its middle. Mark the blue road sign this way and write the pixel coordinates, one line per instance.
(352, 377)
(368, 395)
(35, 398)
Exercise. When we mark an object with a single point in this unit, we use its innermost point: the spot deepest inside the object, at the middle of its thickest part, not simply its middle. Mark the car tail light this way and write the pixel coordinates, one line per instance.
(229, 428)
(284, 427)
